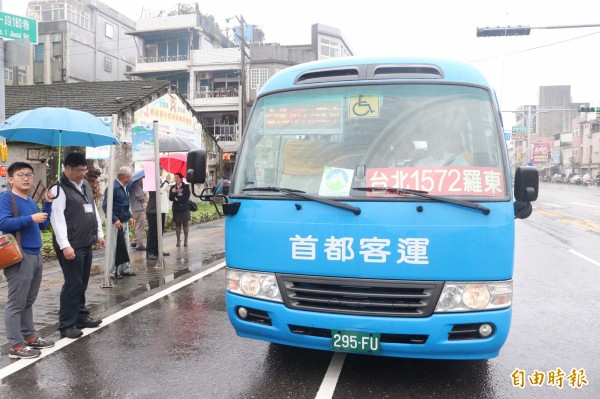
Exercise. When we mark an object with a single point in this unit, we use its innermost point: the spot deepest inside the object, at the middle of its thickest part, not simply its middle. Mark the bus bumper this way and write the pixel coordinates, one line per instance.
(279, 324)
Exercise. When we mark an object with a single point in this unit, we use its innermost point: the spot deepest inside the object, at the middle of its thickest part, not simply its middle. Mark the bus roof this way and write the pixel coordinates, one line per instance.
(349, 69)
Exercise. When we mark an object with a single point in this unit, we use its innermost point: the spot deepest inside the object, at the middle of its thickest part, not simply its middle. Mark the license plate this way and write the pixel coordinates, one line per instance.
(355, 342)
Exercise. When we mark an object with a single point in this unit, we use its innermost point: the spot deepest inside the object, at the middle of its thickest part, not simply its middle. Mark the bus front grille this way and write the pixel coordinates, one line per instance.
(353, 296)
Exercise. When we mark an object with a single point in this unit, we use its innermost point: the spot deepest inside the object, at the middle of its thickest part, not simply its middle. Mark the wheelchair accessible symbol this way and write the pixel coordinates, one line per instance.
(363, 106)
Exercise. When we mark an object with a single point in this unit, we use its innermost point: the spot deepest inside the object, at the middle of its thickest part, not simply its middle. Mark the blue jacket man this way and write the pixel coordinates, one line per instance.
(121, 216)
(19, 213)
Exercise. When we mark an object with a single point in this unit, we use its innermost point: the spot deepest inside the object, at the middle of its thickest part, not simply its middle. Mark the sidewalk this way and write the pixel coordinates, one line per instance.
(206, 245)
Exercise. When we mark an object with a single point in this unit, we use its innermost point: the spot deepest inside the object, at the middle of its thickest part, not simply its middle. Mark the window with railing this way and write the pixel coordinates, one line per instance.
(79, 17)
(258, 77)
(47, 12)
(166, 51)
(70, 10)
(225, 92)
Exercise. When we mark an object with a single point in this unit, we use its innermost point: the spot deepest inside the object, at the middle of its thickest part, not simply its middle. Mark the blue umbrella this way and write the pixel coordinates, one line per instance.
(138, 175)
(57, 127)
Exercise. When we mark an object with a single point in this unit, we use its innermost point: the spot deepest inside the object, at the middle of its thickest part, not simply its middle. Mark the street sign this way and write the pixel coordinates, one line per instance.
(18, 27)
(519, 132)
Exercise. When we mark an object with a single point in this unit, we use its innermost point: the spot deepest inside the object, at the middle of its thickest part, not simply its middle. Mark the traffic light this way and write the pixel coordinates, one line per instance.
(504, 31)
(583, 108)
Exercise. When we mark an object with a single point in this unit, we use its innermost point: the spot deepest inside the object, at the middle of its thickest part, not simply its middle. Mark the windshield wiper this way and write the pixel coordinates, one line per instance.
(424, 194)
(302, 194)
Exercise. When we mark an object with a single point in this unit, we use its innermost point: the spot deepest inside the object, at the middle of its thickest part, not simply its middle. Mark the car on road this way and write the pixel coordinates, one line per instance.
(558, 178)
(574, 179)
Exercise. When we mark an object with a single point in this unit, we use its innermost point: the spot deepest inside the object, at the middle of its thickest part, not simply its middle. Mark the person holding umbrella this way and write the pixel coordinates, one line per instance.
(180, 195)
(77, 226)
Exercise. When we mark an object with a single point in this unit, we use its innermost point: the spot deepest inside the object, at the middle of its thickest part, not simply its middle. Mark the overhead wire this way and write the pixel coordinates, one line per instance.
(537, 47)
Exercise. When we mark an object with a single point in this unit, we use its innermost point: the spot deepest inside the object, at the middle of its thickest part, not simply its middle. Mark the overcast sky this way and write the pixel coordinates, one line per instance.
(516, 66)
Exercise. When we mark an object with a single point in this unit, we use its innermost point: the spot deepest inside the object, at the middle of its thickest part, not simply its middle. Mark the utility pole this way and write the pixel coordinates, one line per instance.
(530, 117)
(243, 103)
(3, 179)
(242, 88)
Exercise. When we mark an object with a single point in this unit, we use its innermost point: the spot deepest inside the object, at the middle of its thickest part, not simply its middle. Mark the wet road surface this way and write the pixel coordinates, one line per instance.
(181, 344)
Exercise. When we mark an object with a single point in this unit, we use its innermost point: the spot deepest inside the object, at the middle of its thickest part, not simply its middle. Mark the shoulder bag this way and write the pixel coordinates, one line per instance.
(10, 247)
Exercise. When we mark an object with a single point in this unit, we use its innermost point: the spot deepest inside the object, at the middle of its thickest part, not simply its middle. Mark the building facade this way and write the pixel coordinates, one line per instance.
(78, 40)
(220, 78)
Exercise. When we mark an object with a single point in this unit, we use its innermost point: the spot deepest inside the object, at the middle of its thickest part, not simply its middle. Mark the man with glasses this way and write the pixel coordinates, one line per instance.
(77, 226)
(20, 215)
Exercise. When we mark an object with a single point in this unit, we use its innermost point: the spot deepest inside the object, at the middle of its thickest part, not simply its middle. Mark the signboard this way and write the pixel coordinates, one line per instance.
(363, 105)
(18, 28)
(102, 152)
(174, 118)
(541, 153)
(439, 180)
(142, 143)
(519, 133)
(316, 116)
(555, 155)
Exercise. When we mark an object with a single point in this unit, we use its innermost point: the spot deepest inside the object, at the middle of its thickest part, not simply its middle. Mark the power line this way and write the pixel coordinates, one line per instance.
(537, 47)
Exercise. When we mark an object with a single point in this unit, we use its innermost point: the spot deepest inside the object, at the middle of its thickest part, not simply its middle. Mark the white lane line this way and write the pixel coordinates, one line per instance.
(550, 204)
(586, 205)
(331, 376)
(582, 256)
(22, 363)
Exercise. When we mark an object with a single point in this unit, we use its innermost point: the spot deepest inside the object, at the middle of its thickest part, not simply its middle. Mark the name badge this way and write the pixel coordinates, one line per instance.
(88, 208)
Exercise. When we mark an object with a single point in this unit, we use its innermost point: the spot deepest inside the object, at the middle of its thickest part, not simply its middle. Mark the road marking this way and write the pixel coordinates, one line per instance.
(582, 256)
(331, 376)
(61, 343)
(586, 205)
(552, 205)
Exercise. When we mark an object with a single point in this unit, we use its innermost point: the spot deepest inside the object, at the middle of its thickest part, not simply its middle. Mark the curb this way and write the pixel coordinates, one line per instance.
(207, 248)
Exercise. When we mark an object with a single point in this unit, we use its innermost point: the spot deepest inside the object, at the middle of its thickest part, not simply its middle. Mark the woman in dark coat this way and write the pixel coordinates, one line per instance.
(180, 195)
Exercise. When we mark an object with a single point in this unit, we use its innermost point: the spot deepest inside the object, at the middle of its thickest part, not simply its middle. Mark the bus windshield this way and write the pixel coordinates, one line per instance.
(344, 142)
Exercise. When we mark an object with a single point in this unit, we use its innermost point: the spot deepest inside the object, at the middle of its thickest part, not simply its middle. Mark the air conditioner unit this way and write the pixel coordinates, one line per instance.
(204, 75)
(203, 89)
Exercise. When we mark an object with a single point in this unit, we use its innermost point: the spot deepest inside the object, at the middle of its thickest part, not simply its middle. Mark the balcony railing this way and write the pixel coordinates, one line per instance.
(166, 58)
(216, 93)
(225, 132)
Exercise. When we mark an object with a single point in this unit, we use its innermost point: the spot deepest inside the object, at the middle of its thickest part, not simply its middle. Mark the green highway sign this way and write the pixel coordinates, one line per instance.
(18, 28)
(519, 133)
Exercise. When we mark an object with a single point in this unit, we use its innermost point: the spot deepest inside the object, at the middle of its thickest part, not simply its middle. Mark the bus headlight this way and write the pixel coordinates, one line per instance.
(466, 297)
(253, 284)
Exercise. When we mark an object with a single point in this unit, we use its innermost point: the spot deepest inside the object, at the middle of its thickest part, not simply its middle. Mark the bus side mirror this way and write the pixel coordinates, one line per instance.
(526, 189)
(527, 182)
(196, 167)
(222, 187)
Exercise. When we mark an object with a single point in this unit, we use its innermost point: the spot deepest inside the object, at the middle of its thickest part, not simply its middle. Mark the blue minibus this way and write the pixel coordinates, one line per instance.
(371, 210)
